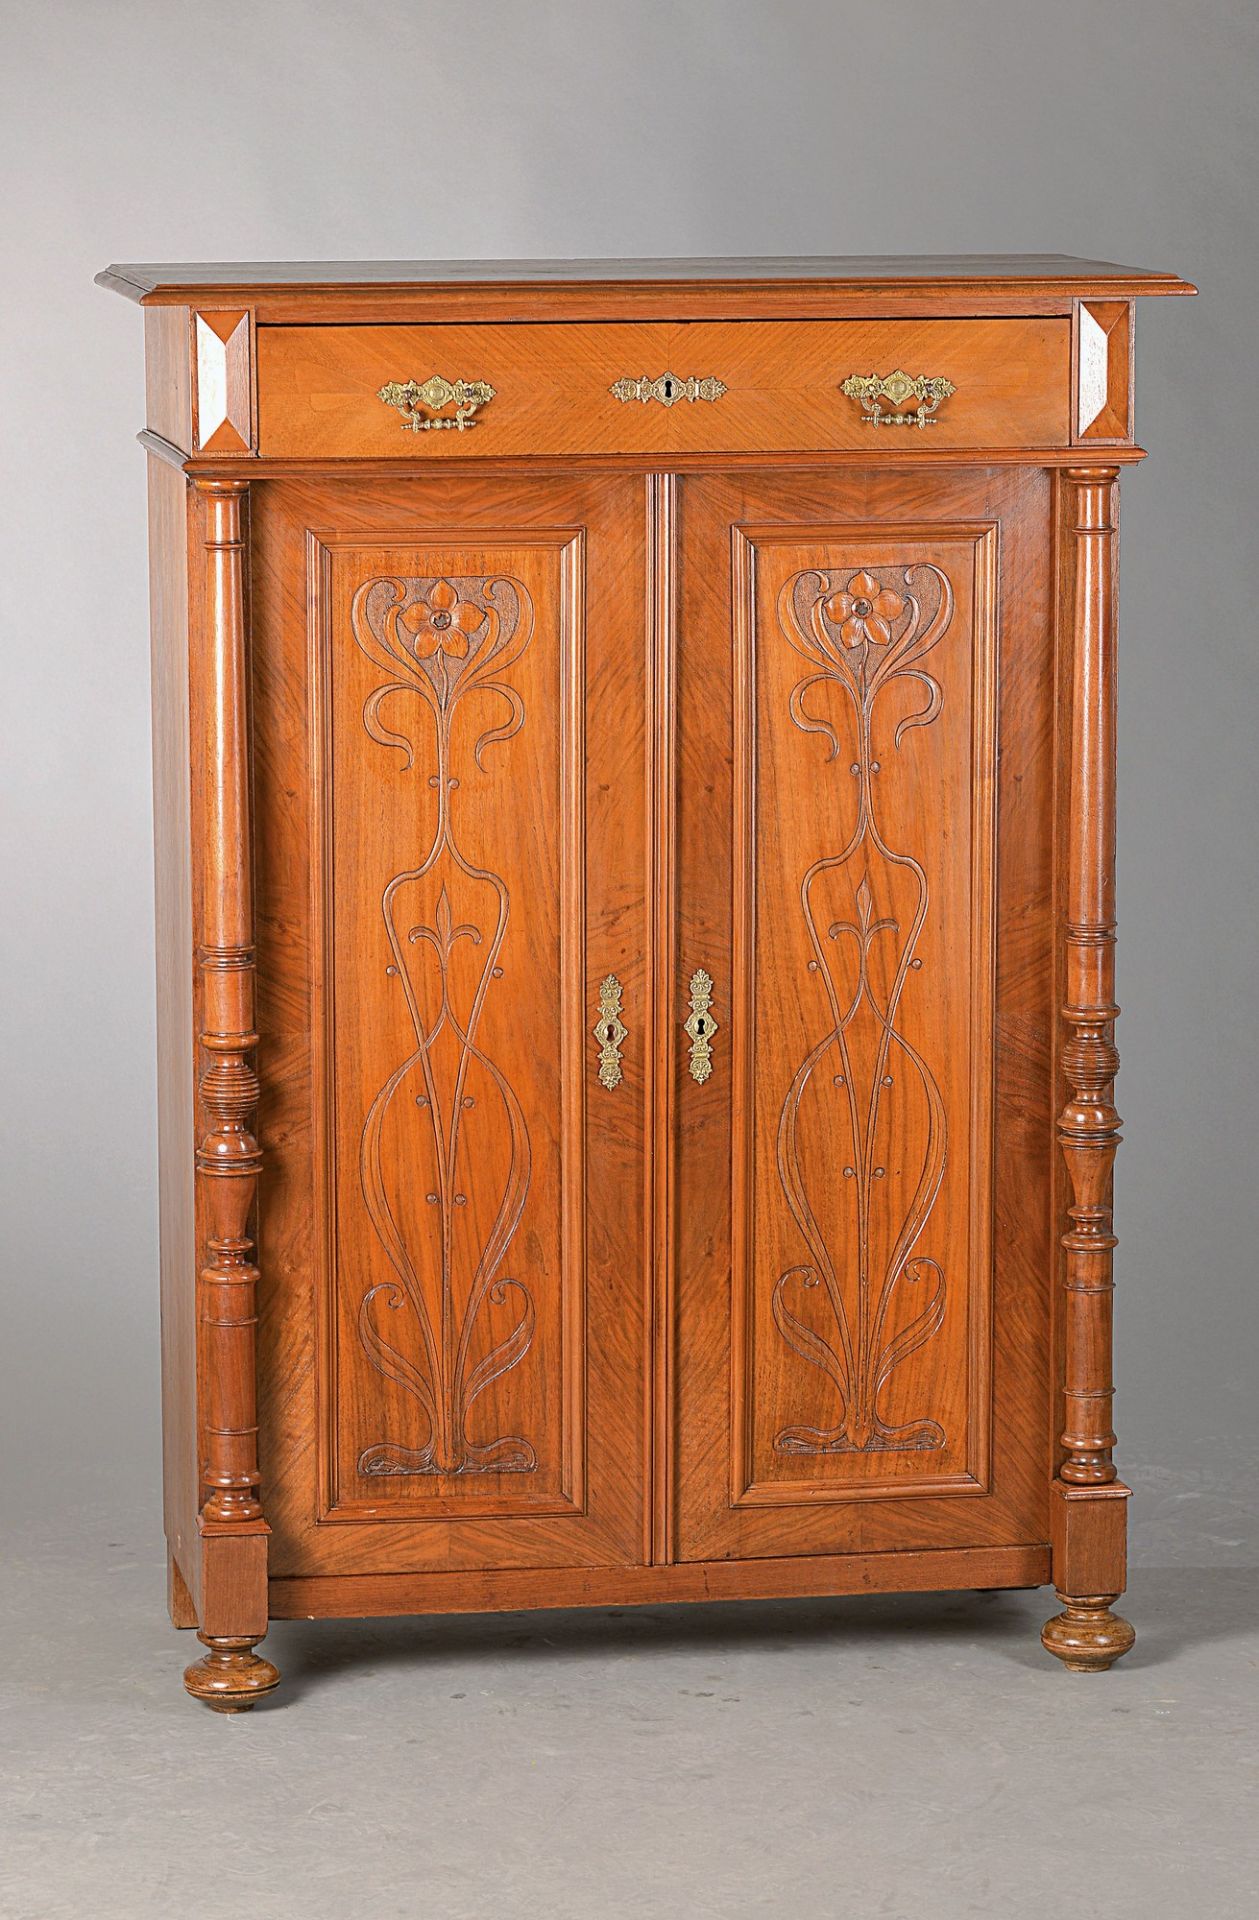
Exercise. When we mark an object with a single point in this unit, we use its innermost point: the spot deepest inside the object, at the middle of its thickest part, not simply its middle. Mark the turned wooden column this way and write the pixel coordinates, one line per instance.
(230, 1676)
(1089, 1518)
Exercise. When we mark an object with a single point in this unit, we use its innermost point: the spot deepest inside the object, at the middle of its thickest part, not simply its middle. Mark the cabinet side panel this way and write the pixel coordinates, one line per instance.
(168, 601)
(167, 375)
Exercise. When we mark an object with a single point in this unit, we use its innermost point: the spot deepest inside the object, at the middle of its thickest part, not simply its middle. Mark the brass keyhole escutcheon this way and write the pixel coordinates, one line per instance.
(701, 1026)
(668, 388)
(611, 1032)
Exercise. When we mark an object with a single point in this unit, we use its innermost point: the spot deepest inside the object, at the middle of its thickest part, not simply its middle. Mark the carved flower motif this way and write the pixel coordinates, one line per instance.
(864, 613)
(442, 622)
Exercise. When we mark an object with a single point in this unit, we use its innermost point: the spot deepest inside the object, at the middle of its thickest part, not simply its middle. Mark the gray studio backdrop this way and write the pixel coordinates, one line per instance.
(156, 129)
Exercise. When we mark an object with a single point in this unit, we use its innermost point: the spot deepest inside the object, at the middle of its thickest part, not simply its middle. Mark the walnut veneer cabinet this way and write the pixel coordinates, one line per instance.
(635, 757)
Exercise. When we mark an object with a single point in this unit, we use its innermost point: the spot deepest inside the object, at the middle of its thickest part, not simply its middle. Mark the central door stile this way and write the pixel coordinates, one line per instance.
(659, 1134)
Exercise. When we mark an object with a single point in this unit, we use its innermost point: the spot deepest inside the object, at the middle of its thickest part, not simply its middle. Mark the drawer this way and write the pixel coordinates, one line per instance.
(736, 386)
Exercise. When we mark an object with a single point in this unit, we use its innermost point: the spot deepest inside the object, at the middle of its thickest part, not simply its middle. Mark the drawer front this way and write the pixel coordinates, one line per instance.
(725, 387)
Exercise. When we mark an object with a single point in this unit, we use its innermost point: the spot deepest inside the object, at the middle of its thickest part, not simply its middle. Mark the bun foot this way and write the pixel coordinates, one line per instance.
(1086, 1636)
(231, 1677)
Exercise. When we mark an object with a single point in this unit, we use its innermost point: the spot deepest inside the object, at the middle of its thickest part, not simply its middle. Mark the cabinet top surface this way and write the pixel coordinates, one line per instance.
(1017, 274)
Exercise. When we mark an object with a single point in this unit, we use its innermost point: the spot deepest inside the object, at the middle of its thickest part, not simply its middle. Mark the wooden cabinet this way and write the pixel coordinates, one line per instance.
(634, 761)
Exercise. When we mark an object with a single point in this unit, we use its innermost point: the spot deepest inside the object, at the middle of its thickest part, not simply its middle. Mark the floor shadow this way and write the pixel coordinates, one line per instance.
(309, 1652)
(1174, 1610)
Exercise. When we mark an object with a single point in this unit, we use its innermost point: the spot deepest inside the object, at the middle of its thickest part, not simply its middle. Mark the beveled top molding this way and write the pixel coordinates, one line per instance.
(678, 289)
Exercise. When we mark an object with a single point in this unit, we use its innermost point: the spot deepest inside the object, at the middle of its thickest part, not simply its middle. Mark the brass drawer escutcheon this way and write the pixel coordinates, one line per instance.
(416, 399)
(870, 388)
(668, 389)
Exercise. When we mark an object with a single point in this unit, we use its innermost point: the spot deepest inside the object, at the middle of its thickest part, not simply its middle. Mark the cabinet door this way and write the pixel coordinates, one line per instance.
(863, 1095)
(448, 745)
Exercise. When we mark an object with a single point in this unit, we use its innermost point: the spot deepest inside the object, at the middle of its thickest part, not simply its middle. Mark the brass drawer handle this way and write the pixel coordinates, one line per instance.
(668, 389)
(611, 1032)
(701, 1026)
(410, 396)
(928, 389)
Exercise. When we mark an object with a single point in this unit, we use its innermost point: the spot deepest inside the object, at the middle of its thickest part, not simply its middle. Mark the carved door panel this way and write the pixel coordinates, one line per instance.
(862, 1102)
(448, 719)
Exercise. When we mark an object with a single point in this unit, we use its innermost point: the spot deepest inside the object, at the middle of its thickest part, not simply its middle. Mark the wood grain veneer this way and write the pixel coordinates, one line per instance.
(319, 386)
